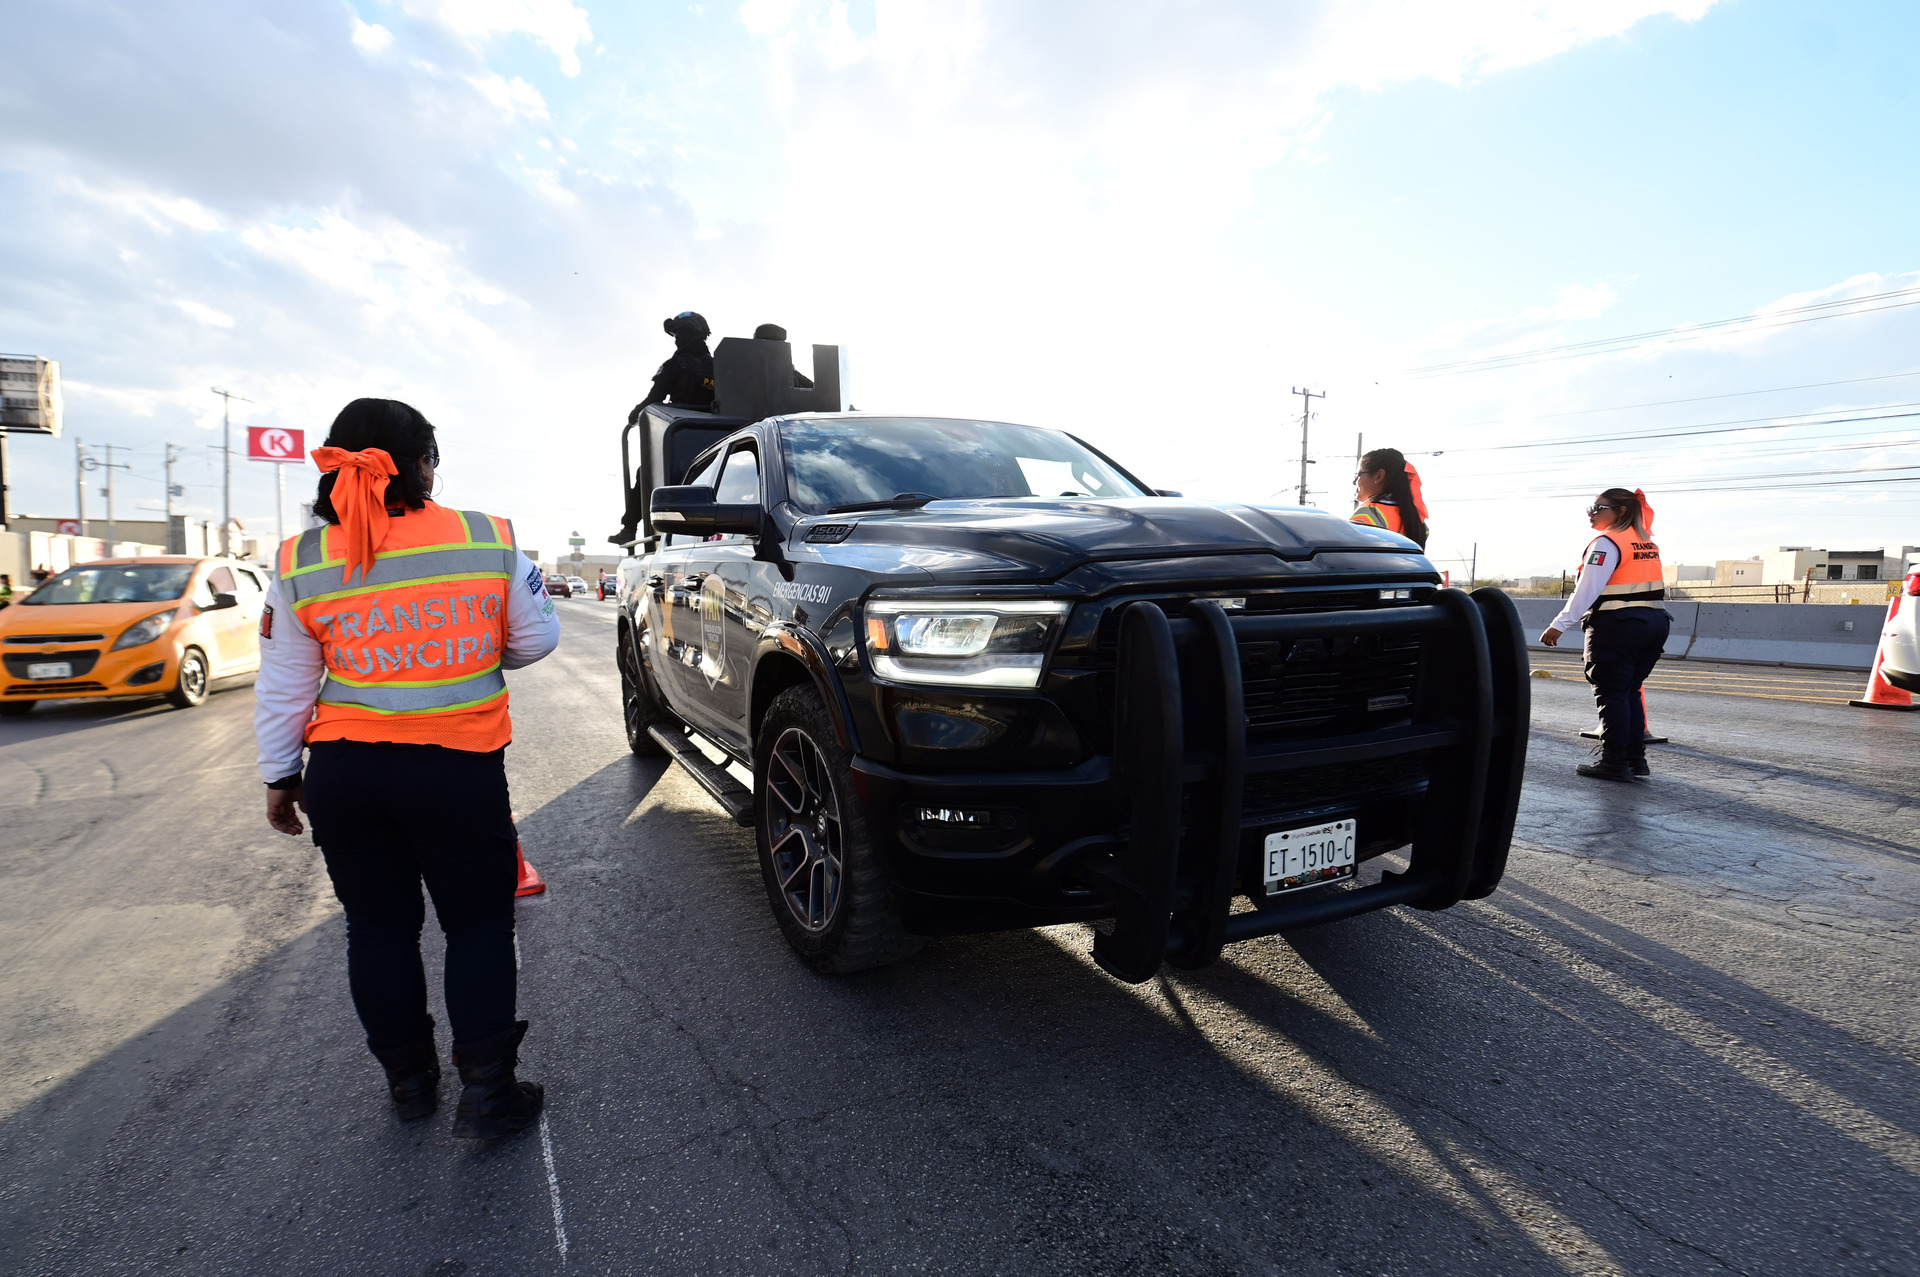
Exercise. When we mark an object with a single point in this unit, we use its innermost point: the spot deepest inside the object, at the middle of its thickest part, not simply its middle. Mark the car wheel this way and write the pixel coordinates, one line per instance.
(638, 705)
(191, 688)
(16, 709)
(823, 874)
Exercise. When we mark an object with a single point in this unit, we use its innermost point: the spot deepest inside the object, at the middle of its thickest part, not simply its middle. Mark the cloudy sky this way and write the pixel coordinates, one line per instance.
(1144, 222)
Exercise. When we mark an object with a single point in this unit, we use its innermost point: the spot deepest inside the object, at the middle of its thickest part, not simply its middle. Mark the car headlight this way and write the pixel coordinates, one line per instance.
(963, 643)
(146, 631)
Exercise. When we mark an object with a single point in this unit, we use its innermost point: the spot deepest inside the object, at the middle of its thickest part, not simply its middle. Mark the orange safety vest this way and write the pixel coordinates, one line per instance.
(1380, 513)
(1637, 580)
(413, 647)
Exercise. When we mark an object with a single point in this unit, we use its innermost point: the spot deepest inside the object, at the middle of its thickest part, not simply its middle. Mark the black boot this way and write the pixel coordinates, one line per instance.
(494, 1102)
(1637, 764)
(413, 1075)
(1606, 769)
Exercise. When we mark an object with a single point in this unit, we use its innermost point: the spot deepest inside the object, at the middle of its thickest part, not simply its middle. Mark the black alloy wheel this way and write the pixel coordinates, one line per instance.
(805, 840)
(638, 707)
(191, 687)
(826, 879)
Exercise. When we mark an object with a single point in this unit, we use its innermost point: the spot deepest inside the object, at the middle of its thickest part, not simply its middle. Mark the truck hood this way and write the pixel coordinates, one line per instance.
(1044, 538)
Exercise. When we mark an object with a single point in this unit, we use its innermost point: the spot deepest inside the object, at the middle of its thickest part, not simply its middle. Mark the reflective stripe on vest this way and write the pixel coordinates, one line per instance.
(1637, 580)
(413, 651)
(1386, 511)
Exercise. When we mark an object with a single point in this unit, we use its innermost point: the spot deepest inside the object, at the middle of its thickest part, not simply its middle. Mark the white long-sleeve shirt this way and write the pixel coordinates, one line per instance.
(292, 667)
(1596, 569)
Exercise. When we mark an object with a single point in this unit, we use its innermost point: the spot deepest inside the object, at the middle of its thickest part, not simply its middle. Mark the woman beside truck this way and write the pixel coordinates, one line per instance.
(1388, 489)
(1619, 600)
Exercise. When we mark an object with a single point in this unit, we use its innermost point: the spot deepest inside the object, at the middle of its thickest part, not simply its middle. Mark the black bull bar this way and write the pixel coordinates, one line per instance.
(1182, 752)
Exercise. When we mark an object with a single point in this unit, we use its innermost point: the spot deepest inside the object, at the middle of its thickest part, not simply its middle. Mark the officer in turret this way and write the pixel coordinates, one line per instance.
(685, 378)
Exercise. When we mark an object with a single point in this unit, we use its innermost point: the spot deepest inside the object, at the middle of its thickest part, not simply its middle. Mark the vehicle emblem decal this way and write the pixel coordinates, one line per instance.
(713, 629)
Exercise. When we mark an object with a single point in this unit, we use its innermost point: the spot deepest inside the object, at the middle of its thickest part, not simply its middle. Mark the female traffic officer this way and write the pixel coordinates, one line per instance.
(381, 650)
(1388, 488)
(1618, 599)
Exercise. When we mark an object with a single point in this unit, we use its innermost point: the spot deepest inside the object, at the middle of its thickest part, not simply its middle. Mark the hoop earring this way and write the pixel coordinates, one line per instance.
(439, 485)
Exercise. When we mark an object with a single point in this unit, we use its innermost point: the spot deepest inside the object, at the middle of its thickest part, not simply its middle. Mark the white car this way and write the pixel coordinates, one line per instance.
(1901, 638)
(580, 587)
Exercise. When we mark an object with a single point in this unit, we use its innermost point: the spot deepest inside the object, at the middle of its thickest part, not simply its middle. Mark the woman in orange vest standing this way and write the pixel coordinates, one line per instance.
(381, 651)
(1618, 598)
(1388, 489)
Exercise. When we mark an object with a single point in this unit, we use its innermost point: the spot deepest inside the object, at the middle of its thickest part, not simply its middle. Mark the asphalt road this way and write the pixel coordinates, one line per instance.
(1681, 1039)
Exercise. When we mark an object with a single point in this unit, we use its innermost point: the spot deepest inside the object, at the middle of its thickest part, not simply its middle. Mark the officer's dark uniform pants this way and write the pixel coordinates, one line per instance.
(1622, 646)
(387, 818)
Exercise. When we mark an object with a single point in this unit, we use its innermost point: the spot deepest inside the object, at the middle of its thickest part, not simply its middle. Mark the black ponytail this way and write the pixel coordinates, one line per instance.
(396, 428)
(1394, 462)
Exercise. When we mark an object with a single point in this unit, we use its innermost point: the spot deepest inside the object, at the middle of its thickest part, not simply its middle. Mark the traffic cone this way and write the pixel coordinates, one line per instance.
(1649, 738)
(1881, 694)
(531, 883)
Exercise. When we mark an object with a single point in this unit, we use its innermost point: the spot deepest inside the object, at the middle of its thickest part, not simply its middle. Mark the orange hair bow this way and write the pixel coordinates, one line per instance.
(1413, 484)
(1646, 511)
(360, 500)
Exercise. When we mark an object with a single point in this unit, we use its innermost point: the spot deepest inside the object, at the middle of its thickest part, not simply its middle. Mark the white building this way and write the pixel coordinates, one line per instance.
(1796, 564)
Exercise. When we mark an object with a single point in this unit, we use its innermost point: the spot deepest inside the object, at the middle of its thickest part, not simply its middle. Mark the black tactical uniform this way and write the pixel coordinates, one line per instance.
(685, 378)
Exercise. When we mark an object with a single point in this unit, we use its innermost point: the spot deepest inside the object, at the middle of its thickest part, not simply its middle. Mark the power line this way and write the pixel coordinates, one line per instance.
(1667, 403)
(1758, 487)
(1679, 332)
(1706, 428)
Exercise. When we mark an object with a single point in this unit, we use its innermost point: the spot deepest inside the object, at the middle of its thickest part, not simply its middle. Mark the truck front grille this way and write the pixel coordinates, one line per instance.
(1327, 685)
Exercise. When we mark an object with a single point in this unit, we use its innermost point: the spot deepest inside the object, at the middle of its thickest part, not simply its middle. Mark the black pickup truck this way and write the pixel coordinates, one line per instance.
(983, 677)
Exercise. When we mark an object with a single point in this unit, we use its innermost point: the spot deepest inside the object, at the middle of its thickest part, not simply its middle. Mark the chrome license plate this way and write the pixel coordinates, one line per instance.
(50, 669)
(1309, 856)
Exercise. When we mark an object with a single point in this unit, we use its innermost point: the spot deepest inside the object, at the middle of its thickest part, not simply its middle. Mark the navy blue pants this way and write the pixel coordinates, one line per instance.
(1622, 646)
(388, 818)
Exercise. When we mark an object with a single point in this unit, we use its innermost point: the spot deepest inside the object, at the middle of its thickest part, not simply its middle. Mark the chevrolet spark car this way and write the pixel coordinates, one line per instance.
(161, 626)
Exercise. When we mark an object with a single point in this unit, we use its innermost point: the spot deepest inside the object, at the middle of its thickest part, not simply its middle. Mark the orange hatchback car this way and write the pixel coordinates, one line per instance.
(132, 627)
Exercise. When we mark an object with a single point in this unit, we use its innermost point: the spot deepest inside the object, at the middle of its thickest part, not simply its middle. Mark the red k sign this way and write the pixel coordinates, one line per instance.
(272, 443)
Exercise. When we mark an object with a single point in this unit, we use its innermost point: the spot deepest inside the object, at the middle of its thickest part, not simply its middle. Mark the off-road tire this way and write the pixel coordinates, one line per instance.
(190, 688)
(639, 707)
(860, 928)
(16, 709)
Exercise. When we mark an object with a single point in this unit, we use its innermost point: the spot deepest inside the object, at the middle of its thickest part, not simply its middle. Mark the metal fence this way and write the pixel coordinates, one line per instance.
(1814, 592)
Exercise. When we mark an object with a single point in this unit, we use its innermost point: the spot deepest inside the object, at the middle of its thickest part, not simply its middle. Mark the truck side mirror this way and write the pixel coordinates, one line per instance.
(691, 508)
(1167, 492)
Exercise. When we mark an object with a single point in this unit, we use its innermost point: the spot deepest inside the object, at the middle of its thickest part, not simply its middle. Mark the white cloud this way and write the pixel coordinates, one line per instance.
(515, 97)
(559, 25)
(371, 38)
(204, 313)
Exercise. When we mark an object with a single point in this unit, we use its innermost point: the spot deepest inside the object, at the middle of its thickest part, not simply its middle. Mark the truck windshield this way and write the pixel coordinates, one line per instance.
(115, 583)
(873, 459)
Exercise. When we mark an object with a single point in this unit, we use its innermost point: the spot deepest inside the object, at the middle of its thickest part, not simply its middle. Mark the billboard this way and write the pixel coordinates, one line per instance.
(276, 443)
(30, 401)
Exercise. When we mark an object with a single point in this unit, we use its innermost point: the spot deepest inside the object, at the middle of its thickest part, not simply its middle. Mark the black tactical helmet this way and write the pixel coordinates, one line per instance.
(688, 323)
(769, 332)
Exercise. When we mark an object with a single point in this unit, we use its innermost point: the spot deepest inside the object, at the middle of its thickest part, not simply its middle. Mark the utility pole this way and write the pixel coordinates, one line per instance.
(1473, 567)
(172, 492)
(226, 467)
(109, 465)
(80, 484)
(1306, 415)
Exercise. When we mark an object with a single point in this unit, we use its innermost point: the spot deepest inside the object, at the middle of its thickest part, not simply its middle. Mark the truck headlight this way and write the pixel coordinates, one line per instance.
(146, 631)
(963, 643)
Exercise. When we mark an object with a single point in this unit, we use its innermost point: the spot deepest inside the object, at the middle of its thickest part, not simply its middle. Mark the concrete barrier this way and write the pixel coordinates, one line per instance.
(1809, 634)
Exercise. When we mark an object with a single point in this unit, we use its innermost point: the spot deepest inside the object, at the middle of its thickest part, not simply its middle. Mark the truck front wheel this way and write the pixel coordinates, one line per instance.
(823, 874)
(637, 704)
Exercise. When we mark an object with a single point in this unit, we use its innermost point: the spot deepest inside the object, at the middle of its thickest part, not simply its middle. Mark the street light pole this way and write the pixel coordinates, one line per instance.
(80, 484)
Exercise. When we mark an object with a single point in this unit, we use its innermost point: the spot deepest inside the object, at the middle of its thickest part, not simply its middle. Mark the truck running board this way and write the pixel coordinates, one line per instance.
(712, 777)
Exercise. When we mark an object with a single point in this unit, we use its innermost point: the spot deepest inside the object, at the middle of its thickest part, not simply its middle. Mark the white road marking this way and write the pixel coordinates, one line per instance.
(553, 1190)
(516, 951)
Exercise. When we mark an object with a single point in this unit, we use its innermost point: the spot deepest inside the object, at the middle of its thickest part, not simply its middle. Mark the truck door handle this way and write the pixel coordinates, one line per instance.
(657, 584)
